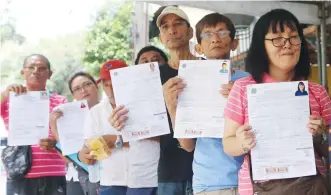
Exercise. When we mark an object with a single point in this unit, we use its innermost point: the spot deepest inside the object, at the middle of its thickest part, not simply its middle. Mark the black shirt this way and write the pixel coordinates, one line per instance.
(175, 163)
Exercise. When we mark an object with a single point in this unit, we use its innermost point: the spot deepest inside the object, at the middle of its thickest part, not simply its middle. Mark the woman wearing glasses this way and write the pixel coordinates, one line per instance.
(278, 53)
(83, 87)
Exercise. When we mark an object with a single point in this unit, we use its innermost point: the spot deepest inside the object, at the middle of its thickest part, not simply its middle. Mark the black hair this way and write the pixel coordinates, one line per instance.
(257, 61)
(301, 83)
(211, 20)
(48, 64)
(82, 74)
(151, 48)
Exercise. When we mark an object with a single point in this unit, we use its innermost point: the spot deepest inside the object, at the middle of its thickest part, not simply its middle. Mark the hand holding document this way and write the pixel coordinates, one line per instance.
(200, 106)
(71, 126)
(28, 118)
(279, 114)
(139, 89)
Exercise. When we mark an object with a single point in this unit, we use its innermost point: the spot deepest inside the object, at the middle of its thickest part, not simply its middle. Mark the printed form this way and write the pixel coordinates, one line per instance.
(71, 126)
(28, 118)
(279, 114)
(139, 89)
(200, 109)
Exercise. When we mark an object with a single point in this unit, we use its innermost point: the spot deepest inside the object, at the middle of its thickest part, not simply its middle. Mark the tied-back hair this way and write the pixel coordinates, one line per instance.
(82, 74)
(257, 61)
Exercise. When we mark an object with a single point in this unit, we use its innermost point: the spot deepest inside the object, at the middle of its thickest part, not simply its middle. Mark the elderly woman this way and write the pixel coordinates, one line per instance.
(278, 53)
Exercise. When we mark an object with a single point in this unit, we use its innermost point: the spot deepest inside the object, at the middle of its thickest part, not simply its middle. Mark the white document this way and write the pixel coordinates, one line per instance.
(139, 89)
(72, 173)
(71, 126)
(200, 109)
(279, 114)
(28, 118)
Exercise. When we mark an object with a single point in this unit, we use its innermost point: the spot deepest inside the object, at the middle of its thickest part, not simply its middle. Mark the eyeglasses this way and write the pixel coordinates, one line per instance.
(37, 68)
(281, 41)
(221, 34)
(83, 86)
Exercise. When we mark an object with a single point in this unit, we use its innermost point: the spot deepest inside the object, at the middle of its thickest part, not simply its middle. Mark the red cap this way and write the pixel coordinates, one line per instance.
(104, 73)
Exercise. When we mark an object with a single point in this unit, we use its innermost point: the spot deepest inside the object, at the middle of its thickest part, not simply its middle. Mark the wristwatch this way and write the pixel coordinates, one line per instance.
(118, 142)
(324, 137)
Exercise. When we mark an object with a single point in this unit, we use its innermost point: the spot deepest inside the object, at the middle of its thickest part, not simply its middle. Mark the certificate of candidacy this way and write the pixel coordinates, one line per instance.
(28, 118)
(279, 114)
(71, 126)
(200, 109)
(139, 89)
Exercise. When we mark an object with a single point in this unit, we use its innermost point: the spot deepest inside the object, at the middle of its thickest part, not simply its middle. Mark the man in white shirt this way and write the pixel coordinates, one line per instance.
(131, 169)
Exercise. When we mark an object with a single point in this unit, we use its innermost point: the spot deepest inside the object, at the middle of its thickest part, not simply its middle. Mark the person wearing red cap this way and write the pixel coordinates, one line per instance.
(97, 125)
(104, 77)
(131, 169)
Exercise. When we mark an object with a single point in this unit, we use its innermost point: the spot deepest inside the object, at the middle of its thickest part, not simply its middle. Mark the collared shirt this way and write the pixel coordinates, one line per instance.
(135, 167)
(224, 71)
(212, 168)
(43, 163)
(237, 110)
(300, 93)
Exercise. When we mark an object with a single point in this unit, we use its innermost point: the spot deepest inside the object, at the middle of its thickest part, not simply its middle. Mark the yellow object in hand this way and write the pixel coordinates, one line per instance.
(99, 148)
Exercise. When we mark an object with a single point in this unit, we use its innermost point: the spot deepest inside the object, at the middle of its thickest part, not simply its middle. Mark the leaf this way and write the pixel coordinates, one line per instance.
(109, 37)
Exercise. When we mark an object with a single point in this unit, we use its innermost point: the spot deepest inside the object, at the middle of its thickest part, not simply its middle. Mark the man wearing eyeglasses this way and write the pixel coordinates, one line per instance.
(215, 173)
(47, 174)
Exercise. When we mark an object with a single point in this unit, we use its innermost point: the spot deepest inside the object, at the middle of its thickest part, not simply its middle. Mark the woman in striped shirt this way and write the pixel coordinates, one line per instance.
(278, 53)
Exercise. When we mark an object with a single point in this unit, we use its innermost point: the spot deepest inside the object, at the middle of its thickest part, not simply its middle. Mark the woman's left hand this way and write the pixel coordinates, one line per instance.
(316, 125)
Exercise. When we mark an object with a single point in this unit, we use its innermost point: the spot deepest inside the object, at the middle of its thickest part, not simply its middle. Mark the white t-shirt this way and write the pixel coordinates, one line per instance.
(143, 163)
(113, 170)
(72, 173)
(135, 167)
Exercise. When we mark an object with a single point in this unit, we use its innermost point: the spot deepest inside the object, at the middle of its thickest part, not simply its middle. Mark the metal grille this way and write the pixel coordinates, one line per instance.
(243, 34)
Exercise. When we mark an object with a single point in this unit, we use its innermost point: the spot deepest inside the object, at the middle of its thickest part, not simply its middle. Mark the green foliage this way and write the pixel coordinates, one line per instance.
(110, 37)
(8, 32)
(157, 43)
(11, 59)
(59, 80)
